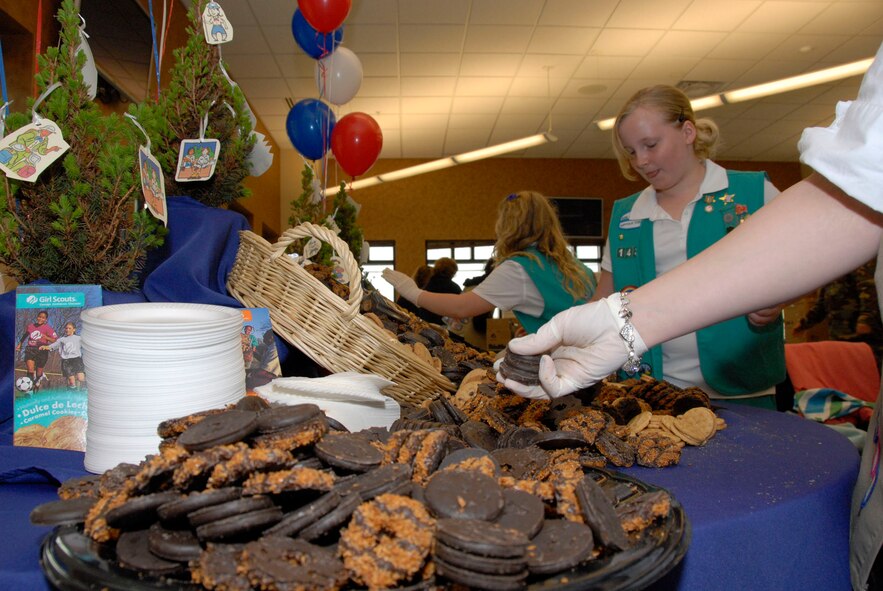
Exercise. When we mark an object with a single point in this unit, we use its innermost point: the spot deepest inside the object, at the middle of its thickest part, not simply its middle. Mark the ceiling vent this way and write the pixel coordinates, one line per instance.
(700, 88)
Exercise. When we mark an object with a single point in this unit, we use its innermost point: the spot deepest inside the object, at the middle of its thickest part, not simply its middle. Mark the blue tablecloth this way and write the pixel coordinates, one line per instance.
(768, 500)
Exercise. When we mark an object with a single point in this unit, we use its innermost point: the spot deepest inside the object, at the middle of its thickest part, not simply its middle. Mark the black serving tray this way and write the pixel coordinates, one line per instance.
(73, 562)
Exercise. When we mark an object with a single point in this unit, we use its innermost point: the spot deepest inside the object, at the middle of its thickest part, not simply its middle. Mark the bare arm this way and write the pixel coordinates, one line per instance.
(809, 235)
(605, 286)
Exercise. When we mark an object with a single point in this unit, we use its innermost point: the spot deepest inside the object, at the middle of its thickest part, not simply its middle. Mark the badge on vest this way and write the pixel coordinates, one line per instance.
(628, 252)
(626, 223)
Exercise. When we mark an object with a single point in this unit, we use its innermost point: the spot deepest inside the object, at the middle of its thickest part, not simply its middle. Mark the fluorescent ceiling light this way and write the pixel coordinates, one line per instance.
(769, 88)
(418, 169)
(432, 165)
(513, 146)
(797, 82)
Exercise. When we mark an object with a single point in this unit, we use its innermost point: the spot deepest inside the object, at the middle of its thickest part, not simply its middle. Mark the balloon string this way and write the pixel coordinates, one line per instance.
(155, 46)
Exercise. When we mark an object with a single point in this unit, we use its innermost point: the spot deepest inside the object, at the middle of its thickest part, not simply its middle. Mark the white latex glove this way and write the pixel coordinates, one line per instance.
(584, 347)
(403, 284)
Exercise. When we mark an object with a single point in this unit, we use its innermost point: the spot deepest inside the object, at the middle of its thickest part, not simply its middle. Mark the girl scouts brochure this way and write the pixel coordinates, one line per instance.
(49, 383)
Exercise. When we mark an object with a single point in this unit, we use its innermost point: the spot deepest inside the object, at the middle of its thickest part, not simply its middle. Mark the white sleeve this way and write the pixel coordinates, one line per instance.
(509, 287)
(848, 151)
(606, 261)
(769, 191)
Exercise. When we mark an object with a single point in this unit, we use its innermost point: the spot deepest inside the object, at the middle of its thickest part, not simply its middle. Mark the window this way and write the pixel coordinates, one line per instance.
(471, 256)
(381, 254)
(589, 254)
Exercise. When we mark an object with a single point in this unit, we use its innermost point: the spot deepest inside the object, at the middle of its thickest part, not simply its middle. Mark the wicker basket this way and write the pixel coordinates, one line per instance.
(321, 324)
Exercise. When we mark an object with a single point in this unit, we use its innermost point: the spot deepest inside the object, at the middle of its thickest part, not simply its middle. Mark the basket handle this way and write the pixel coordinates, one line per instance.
(353, 271)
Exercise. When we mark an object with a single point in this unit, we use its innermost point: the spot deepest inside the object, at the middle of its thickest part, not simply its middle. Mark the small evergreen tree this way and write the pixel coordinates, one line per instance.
(310, 207)
(78, 222)
(197, 86)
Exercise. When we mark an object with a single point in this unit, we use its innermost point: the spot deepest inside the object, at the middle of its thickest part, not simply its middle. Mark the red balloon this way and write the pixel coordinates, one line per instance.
(356, 141)
(325, 15)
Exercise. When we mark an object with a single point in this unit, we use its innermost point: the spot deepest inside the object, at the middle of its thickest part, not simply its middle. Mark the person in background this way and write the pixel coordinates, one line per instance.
(421, 277)
(441, 281)
(70, 350)
(535, 274)
(820, 228)
(690, 204)
(36, 334)
(849, 304)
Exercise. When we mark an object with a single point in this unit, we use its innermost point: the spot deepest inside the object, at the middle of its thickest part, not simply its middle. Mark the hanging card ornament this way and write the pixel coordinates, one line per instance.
(29, 150)
(215, 24)
(260, 159)
(153, 185)
(311, 249)
(197, 158)
(89, 71)
(3, 110)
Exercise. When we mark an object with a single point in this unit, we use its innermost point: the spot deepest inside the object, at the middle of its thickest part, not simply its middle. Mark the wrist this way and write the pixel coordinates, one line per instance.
(620, 308)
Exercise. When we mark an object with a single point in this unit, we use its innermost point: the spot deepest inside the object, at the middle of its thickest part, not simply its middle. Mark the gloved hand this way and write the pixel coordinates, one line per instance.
(403, 284)
(584, 347)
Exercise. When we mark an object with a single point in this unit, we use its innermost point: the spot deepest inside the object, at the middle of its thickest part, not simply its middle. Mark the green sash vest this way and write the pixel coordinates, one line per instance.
(550, 282)
(734, 356)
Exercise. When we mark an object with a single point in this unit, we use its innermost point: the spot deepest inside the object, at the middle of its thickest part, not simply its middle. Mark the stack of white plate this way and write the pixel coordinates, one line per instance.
(149, 362)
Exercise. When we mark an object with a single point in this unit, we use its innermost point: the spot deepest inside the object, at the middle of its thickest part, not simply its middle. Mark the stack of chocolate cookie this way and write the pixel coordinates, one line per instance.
(524, 369)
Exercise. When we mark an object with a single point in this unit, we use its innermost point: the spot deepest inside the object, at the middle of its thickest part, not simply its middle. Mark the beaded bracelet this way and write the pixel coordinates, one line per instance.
(627, 332)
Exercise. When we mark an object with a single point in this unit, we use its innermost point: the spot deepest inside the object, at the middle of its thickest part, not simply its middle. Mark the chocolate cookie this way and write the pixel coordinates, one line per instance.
(218, 429)
(387, 541)
(600, 515)
(178, 545)
(524, 369)
(228, 509)
(241, 526)
(464, 495)
(139, 512)
(477, 580)
(278, 418)
(560, 545)
(522, 511)
(332, 520)
(62, 512)
(133, 552)
(348, 452)
(478, 434)
(296, 520)
(175, 512)
(389, 478)
(82, 486)
(252, 403)
(479, 564)
(216, 568)
(280, 563)
(482, 538)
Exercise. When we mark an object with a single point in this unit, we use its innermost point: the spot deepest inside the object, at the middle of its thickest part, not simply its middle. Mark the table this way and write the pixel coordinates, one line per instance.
(768, 501)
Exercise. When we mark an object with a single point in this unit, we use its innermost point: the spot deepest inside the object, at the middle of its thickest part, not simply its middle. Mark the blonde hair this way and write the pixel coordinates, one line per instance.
(675, 108)
(526, 219)
(445, 267)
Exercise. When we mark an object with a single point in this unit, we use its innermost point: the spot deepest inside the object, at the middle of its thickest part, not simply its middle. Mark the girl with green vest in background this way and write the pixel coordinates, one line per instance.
(691, 203)
(535, 274)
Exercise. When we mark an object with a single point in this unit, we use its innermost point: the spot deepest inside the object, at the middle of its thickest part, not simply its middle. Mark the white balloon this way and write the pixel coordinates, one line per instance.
(339, 76)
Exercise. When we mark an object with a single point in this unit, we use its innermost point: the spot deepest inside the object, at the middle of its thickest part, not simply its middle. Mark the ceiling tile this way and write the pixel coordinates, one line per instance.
(564, 40)
(537, 86)
(844, 18)
(497, 38)
(577, 106)
(252, 66)
(379, 64)
(781, 17)
(371, 12)
(428, 86)
(268, 12)
(426, 104)
(373, 106)
(577, 13)
(302, 87)
(421, 64)
(476, 104)
(247, 39)
(264, 87)
(458, 141)
(686, 44)
(494, 64)
(433, 12)
(426, 122)
(505, 12)
(269, 106)
(719, 70)
(665, 70)
(600, 66)
(714, 15)
(375, 86)
(430, 38)
(634, 42)
(636, 14)
(525, 105)
(482, 86)
(371, 38)
(537, 64)
(479, 122)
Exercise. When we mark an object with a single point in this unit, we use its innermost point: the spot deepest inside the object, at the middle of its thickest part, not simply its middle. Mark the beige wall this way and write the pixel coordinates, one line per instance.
(460, 203)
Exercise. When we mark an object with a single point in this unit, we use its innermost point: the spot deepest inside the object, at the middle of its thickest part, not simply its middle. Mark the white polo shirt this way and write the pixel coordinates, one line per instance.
(680, 356)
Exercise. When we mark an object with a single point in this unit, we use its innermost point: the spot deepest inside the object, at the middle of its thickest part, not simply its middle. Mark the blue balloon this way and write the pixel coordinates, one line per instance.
(315, 44)
(309, 125)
